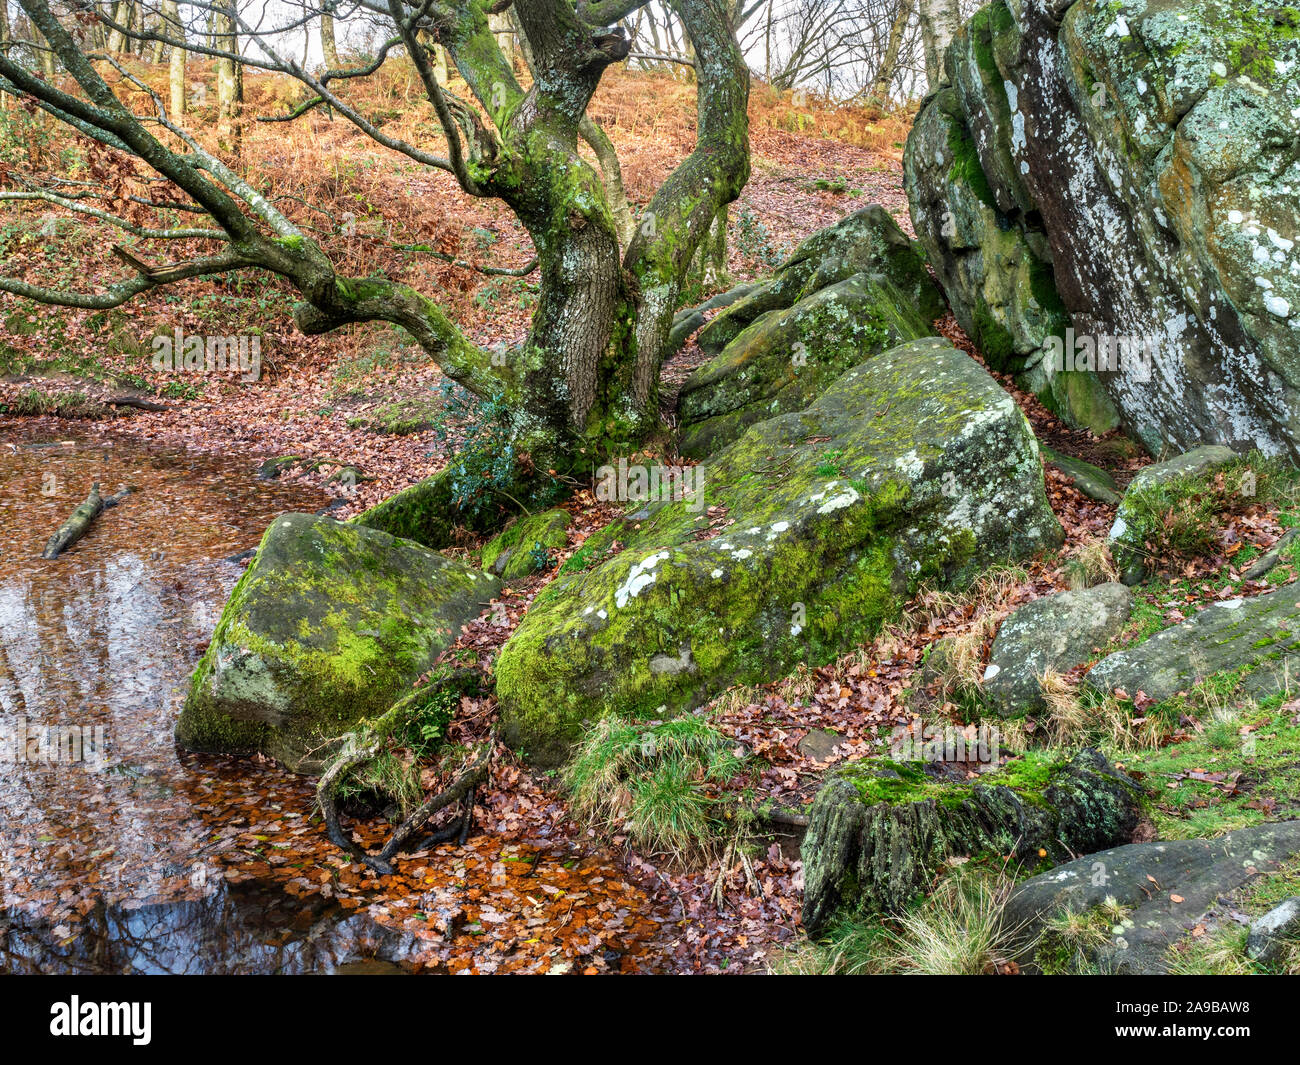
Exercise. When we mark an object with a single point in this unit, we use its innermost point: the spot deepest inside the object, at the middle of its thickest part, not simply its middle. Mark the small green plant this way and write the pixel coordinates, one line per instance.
(586, 557)
(484, 466)
(830, 464)
(540, 557)
(658, 783)
(1070, 938)
(754, 241)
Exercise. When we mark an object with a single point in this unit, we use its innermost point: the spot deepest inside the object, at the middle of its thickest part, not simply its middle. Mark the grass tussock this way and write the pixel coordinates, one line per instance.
(1077, 717)
(1090, 563)
(660, 785)
(958, 930)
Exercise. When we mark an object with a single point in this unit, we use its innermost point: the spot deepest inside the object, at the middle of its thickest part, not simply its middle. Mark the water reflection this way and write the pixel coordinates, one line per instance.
(102, 640)
(238, 930)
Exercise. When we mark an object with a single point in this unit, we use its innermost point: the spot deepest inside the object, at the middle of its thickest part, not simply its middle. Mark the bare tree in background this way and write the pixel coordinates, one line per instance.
(585, 382)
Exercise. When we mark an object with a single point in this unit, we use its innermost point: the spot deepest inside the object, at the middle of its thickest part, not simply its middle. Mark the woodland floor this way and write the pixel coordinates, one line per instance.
(546, 893)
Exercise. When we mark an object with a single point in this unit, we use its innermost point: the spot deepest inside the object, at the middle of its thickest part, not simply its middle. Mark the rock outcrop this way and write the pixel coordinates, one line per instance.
(1260, 636)
(810, 532)
(1095, 176)
(846, 293)
(1147, 495)
(1162, 890)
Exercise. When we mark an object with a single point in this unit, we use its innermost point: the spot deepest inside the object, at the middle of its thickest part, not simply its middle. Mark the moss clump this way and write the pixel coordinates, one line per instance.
(879, 831)
(525, 547)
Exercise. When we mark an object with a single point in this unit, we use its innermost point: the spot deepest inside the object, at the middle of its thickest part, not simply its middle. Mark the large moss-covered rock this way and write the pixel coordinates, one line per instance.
(1260, 636)
(782, 360)
(1137, 158)
(866, 242)
(1057, 632)
(331, 623)
(915, 465)
(879, 831)
(1148, 494)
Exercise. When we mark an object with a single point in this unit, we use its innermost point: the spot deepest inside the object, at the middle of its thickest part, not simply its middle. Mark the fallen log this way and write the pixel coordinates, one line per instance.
(136, 402)
(78, 523)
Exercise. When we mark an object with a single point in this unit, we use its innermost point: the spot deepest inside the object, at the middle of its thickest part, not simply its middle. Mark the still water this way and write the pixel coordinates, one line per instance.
(120, 853)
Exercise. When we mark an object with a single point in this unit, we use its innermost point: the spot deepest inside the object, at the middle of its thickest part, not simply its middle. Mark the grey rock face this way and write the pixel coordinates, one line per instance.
(1058, 632)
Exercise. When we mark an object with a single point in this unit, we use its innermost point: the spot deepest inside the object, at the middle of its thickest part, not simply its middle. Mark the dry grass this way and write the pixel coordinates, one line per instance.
(1090, 563)
(1075, 717)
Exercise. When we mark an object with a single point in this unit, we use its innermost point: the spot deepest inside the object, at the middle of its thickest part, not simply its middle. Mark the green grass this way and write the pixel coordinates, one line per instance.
(1184, 516)
(1228, 735)
(1221, 950)
(958, 930)
(656, 783)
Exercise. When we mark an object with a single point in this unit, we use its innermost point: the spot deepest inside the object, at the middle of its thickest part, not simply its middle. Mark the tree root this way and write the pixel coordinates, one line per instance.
(734, 853)
(368, 741)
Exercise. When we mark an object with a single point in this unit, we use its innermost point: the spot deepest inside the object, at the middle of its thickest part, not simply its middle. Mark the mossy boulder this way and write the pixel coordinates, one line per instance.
(429, 513)
(1148, 494)
(879, 831)
(521, 550)
(1260, 636)
(1149, 896)
(1125, 172)
(782, 360)
(1092, 481)
(1057, 632)
(865, 242)
(913, 466)
(331, 623)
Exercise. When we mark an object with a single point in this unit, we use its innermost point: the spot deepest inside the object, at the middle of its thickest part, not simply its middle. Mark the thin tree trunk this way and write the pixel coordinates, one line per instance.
(159, 49)
(503, 29)
(115, 38)
(5, 38)
(46, 55)
(174, 28)
(328, 46)
(879, 93)
(228, 70)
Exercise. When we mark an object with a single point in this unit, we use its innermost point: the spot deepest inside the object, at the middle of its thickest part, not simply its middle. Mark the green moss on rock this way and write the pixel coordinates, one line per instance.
(515, 552)
(880, 830)
(330, 624)
(937, 475)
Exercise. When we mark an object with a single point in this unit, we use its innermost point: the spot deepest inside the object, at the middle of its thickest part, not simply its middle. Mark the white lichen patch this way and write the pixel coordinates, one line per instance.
(641, 576)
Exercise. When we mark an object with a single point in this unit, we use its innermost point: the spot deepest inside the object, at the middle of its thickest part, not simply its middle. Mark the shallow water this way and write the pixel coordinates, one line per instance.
(96, 818)
(120, 853)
